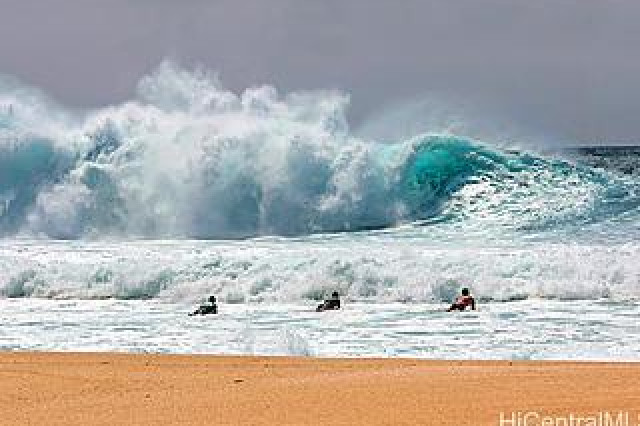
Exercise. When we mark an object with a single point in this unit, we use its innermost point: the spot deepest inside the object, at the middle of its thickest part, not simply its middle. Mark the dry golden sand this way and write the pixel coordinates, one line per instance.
(114, 389)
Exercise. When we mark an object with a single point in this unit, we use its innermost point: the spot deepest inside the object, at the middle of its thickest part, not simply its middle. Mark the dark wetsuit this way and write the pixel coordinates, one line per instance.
(329, 305)
(206, 310)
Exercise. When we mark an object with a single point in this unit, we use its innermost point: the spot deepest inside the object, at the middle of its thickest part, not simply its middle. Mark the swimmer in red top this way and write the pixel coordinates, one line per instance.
(463, 301)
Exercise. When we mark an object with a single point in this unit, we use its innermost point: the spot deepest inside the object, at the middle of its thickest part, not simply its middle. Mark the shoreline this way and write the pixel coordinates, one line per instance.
(138, 389)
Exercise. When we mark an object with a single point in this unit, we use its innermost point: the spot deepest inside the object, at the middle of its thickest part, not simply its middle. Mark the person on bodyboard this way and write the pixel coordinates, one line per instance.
(206, 309)
(331, 304)
(462, 301)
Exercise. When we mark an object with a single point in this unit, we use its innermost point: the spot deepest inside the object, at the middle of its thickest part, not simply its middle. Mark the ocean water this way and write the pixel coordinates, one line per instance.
(115, 223)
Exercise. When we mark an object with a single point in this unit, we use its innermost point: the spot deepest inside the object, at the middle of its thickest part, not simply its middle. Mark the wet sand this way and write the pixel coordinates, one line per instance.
(119, 389)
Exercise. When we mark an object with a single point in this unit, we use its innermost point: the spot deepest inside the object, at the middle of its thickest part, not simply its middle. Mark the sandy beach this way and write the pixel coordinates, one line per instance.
(123, 389)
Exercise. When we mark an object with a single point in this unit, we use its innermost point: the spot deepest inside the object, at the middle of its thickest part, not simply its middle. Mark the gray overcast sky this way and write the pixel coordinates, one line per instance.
(568, 69)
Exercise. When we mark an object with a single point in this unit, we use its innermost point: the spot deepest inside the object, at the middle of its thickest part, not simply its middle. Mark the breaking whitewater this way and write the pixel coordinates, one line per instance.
(116, 221)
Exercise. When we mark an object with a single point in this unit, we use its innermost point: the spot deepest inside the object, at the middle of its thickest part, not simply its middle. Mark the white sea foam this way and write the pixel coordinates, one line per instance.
(186, 158)
(397, 228)
(380, 268)
(533, 329)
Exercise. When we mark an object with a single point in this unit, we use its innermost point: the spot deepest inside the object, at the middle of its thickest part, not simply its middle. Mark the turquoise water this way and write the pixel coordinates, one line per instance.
(116, 222)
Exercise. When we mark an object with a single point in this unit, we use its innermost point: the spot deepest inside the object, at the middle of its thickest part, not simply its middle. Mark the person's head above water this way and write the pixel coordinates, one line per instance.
(465, 291)
(212, 299)
(335, 295)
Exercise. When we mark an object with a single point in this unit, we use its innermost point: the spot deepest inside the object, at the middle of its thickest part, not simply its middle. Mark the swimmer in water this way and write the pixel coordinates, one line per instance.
(330, 304)
(211, 308)
(462, 301)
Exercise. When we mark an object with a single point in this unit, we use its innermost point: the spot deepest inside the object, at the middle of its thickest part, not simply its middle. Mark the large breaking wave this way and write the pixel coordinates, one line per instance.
(189, 159)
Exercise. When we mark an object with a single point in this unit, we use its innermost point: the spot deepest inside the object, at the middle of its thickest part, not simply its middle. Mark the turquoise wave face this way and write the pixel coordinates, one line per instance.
(428, 180)
(187, 159)
(445, 179)
(437, 168)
